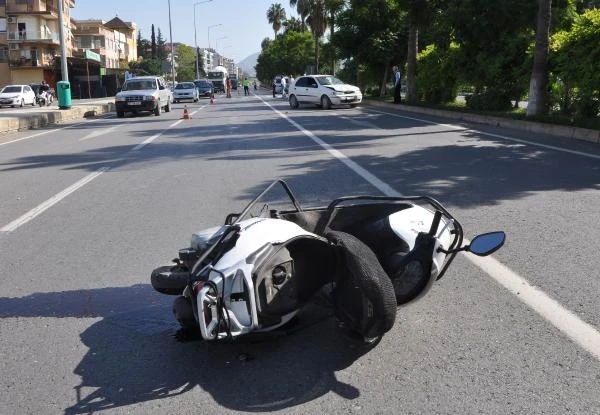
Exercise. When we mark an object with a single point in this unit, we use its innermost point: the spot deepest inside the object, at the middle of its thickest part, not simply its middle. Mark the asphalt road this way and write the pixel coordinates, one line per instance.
(89, 209)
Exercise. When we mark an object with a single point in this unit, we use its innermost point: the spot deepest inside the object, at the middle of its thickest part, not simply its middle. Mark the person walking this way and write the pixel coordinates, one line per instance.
(397, 85)
(246, 84)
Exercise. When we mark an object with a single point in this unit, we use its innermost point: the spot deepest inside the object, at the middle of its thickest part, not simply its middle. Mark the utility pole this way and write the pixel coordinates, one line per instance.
(172, 47)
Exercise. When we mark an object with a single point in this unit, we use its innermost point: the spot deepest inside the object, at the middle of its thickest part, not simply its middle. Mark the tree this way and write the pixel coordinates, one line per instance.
(538, 86)
(161, 50)
(140, 51)
(371, 36)
(290, 53)
(153, 43)
(186, 69)
(276, 16)
(294, 25)
(146, 67)
(575, 55)
(333, 7)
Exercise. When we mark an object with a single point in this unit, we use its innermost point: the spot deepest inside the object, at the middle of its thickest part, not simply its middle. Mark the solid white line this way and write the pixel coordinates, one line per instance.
(504, 137)
(563, 319)
(52, 201)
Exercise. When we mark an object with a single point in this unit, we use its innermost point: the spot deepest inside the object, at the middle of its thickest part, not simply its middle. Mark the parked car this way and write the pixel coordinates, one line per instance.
(185, 91)
(144, 93)
(323, 91)
(205, 87)
(17, 95)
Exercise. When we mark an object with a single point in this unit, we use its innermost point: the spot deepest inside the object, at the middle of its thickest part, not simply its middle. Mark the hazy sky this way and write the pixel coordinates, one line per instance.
(243, 22)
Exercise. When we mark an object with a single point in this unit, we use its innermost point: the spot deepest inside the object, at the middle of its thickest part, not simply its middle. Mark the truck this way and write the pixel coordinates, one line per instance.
(218, 77)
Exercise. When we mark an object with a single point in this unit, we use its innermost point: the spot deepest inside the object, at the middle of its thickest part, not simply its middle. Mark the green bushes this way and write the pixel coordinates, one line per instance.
(575, 55)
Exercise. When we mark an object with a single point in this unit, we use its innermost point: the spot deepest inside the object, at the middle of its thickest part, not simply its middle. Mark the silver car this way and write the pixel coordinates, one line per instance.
(185, 91)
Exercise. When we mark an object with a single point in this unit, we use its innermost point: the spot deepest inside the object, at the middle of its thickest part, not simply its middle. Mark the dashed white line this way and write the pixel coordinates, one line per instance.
(52, 201)
(33, 213)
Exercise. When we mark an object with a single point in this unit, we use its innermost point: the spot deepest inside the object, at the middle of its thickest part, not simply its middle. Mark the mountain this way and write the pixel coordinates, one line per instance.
(247, 64)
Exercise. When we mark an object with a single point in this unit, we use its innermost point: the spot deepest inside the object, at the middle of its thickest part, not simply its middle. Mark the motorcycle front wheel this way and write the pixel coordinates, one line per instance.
(170, 279)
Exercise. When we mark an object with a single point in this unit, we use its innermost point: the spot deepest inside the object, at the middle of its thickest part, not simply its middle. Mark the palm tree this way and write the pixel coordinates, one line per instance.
(538, 84)
(333, 7)
(276, 16)
(313, 12)
(302, 7)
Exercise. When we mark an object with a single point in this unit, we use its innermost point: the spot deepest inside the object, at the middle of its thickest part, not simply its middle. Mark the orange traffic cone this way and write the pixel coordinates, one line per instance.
(186, 114)
(212, 98)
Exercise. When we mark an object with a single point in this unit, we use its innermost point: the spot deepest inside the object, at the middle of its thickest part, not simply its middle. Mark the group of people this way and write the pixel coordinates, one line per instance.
(286, 82)
(245, 84)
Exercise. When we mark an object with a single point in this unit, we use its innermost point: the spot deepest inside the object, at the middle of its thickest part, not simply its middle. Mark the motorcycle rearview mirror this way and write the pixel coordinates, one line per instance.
(482, 245)
(487, 243)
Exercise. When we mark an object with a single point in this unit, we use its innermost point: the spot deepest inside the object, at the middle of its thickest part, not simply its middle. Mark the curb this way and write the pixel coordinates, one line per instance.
(40, 119)
(563, 131)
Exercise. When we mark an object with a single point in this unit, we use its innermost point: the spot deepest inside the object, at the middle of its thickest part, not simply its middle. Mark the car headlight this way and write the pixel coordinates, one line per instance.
(149, 98)
(119, 98)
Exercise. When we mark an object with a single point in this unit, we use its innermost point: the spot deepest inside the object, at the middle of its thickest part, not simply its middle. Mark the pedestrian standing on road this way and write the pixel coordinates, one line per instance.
(283, 87)
(273, 85)
(397, 85)
(246, 84)
(228, 87)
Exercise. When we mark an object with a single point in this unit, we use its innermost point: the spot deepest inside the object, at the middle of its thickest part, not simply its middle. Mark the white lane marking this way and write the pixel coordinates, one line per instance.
(154, 137)
(79, 184)
(565, 320)
(582, 333)
(44, 132)
(99, 132)
(504, 137)
(52, 201)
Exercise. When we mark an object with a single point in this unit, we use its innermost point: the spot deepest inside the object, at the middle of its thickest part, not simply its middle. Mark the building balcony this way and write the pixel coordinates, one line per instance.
(48, 10)
(33, 36)
(30, 63)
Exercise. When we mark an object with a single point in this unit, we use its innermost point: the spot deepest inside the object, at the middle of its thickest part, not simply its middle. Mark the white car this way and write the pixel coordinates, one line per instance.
(186, 91)
(14, 95)
(143, 94)
(323, 91)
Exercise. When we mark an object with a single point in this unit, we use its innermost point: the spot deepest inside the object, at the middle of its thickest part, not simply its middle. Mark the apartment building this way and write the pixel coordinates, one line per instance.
(114, 41)
(212, 58)
(29, 39)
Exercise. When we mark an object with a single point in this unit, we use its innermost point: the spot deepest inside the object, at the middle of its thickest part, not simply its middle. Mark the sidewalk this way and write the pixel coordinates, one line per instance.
(564, 131)
(28, 118)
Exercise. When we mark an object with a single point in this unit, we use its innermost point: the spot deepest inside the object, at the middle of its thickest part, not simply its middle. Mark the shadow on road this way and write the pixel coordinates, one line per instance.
(133, 356)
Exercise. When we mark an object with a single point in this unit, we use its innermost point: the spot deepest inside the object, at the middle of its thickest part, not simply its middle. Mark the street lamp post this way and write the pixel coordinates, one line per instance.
(210, 27)
(172, 48)
(217, 43)
(195, 37)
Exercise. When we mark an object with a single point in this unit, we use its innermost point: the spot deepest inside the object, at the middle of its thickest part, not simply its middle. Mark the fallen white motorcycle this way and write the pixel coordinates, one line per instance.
(366, 254)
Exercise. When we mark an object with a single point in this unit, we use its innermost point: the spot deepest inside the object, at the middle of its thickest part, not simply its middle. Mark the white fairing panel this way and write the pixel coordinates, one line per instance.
(233, 275)
(256, 233)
